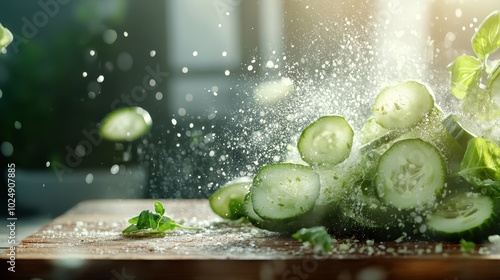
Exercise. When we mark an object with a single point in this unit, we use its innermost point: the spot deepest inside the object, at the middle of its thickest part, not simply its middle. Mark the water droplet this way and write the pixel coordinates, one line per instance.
(47, 164)
(84, 74)
(124, 61)
(114, 169)
(185, 70)
(100, 79)
(89, 178)
(182, 112)
(159, 96)
(80, 150)
(189, 97)
(224, 53)
(92, 52)
(152, 53)
(17, 125)
(125, 34)
(195, 53)
(109, 36)
(458, 13)
(174, 121)
(7, 149)
(227, 72)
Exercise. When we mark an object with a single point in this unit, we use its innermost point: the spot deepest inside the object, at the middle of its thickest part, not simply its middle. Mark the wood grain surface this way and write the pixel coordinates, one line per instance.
(86, 243)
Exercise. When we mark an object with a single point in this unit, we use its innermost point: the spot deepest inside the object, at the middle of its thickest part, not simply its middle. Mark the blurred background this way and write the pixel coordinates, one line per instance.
(195, 65)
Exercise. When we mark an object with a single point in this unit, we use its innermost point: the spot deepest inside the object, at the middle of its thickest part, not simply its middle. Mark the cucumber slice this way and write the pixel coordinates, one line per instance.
(467, 215)
(272, 92)
(410, 174)
(317, 216)
(6, 37)
(227, 202)
(284, 191)
(403, 105)
(371, 130)
(461, 129)
(328, 140)
(126, 124)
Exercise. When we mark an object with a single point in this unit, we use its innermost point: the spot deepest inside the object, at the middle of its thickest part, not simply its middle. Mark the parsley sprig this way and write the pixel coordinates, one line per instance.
(150, 223)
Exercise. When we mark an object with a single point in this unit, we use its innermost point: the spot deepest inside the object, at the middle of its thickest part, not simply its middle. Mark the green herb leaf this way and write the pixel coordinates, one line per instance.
(466, 72)
(317, 237)
(481, 164)
(159, 208)
(467, 246)
(134, 220)
(150, 223)
(487, 38)
(143, 221)
(130, 229)
(5, 37)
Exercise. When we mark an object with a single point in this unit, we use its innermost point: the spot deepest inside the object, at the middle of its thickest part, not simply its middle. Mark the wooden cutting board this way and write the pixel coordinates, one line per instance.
(86, 243)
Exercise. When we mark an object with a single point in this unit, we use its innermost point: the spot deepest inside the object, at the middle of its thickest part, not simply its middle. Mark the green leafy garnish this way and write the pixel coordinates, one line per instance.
(466, 72)
(467, 246)
(5, 37)
(317, 237)
(487, 38)
(149, 223)
(480, 165)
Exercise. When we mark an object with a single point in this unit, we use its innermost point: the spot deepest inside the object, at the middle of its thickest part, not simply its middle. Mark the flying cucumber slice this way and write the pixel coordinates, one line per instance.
(328, 140)
(403, 105)
(126, 124)
(227, 202)
(5, 37)
(284, 191)
(410, 174)
(466, 215)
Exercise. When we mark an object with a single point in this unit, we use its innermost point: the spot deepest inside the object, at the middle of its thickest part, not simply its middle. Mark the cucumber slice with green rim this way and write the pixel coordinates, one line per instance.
(284, 191)
(461, 129)
(126, 124)
(328, 140)
(467, 215)
(227, 202)
(410, 174)
(403, 105)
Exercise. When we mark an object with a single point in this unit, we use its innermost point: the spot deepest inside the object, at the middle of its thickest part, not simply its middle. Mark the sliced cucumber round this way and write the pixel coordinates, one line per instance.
(328, 140)
(402, 105)
(227, 202)
(467, 215)
(284, 191)
(126, 124)
(410, 174)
